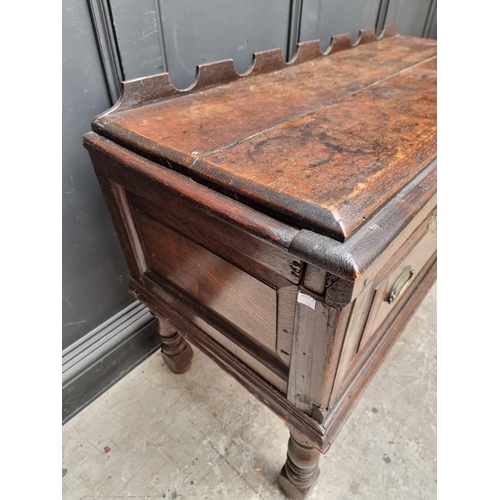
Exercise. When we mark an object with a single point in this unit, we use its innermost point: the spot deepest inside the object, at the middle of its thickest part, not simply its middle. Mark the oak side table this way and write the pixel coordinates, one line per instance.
(283, 221)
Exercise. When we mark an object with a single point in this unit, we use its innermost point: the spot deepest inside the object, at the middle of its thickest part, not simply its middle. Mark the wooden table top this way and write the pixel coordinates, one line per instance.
(322, 142)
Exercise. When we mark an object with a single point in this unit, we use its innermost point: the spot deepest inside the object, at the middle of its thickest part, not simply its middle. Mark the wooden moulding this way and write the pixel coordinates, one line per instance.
(142, 91)
(143, 176)
(266, 262)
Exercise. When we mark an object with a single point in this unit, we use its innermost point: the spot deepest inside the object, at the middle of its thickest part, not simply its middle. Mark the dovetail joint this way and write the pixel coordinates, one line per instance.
(296, 268)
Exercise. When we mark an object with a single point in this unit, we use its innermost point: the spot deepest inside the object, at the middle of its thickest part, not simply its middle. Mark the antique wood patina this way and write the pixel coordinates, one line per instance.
(282, 221)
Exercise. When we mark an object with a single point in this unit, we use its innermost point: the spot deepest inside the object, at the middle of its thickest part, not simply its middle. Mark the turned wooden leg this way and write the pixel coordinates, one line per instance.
(301, 471)
(176, 352)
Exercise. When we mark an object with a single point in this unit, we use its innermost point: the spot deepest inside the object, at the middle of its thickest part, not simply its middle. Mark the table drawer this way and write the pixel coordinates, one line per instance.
(396, 283)
(375, 303)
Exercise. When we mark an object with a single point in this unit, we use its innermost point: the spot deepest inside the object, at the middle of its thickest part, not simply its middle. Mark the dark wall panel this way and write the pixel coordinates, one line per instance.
(321, 20)
(139, 35)
(409, 15)
(200, 31)
(430, 30)
(94, 271)
(176, 35)
(433, 27)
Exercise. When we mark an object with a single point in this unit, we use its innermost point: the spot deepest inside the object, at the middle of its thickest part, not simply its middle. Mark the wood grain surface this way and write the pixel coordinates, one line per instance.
(215, 283)
(364, 117)
(331, 169)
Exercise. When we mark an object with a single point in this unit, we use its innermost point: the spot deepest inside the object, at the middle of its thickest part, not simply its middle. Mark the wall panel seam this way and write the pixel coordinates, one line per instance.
(294, 28)
(381, 16)
(161, 35)
(104, 31)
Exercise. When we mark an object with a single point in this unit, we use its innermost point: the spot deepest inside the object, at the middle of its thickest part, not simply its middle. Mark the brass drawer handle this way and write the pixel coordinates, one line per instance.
(401, 284)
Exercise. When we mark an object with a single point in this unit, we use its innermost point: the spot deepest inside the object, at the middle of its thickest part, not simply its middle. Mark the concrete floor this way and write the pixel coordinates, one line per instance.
(202, 436)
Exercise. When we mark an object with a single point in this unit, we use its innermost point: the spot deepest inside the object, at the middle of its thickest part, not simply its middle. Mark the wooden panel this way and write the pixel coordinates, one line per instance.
(218, 285)
(190, 308)
(339, 338)
(115, 211)
(128, 222)
(267, 262)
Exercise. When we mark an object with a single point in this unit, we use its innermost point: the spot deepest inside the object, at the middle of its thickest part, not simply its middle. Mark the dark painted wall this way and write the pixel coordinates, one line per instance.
(409, 15)
(104, 42)
(94, 271)
(321, 20)
(194, 32)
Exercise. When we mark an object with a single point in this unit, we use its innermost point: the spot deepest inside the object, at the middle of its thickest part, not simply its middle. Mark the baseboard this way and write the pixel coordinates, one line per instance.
(93, 364)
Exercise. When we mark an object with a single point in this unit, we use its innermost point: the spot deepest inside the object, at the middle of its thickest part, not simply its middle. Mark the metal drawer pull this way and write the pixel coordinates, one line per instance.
(401, 284)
